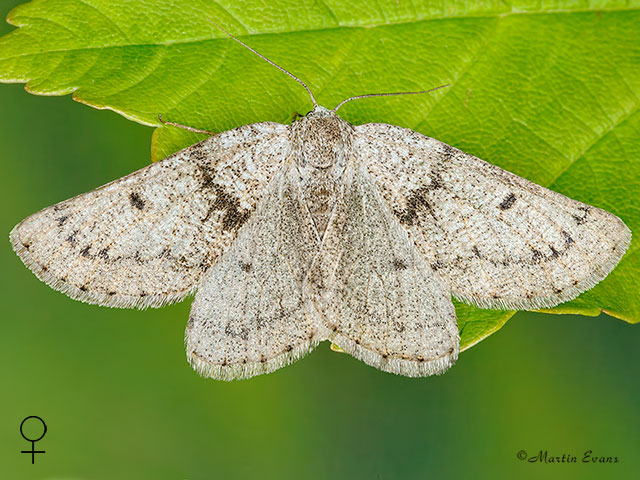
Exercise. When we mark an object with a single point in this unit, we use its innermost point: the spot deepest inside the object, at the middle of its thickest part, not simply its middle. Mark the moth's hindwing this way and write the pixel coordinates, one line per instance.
(379, 298)
(249, 315)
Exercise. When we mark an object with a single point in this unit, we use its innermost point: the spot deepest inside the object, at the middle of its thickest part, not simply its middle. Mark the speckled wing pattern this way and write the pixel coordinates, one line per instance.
(146, 239)
(321, 230)
(380, 299)
(249, 315)
(498, 240)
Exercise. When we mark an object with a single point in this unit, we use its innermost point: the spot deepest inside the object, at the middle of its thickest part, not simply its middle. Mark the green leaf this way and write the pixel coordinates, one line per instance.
(548, 90)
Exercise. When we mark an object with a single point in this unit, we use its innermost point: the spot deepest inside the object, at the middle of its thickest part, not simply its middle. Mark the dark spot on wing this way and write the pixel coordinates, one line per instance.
(399, 264)
(207, 178)
(261, 322)
(580, 219)
(233, 217)
(508, 202)
(437, 265)
(398, 327)
(84, 288)
(62, 219)
(568, 240)
(282, 313)
(245, 267)
(85, 251)
(416, 203)
(103, 254)
(537, 256)
(448, 152)
(557, 291)
(436, 181)
(242, 333)
(198, 152)
(288, 348)
(136, 201)
(72, 238)
(476, 252)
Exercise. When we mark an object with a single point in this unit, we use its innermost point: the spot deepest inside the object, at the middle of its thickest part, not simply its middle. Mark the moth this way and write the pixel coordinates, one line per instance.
(321, 230)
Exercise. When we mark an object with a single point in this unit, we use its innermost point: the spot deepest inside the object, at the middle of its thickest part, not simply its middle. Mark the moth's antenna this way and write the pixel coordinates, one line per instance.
(387, 95)
(313, 99)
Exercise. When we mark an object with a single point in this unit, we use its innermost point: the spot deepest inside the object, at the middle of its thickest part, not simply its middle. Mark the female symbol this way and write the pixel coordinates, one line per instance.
(33, 451)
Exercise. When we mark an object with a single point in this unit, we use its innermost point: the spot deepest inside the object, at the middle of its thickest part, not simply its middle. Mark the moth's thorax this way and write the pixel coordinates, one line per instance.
(321, 140)
(322, 145)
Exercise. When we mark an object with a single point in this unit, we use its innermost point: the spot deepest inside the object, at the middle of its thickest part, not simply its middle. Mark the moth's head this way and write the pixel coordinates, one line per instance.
(321, 138)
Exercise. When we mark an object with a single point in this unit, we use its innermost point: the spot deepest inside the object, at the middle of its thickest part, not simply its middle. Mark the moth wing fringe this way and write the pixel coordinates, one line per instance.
(599, 273)
(94, 298)
(250, 369)
(398, 366)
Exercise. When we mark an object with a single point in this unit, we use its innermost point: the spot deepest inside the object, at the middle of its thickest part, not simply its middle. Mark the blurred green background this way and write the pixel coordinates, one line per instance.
(120, 401)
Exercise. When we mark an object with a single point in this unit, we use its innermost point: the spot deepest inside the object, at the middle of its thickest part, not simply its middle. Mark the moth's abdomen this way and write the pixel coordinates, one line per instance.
(320, 198)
